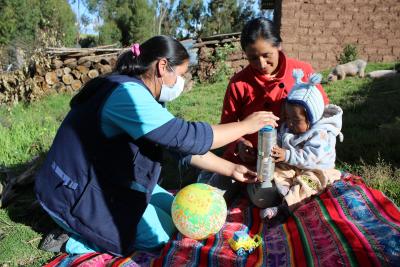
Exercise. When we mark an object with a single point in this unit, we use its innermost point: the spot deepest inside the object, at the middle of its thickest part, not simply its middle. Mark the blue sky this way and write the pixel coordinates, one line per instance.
(91, 29)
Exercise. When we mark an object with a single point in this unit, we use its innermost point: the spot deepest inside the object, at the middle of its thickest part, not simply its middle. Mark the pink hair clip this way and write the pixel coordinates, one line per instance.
(135, 49)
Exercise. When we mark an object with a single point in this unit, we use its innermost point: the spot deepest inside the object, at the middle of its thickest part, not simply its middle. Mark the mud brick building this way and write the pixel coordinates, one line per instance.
(317, 30)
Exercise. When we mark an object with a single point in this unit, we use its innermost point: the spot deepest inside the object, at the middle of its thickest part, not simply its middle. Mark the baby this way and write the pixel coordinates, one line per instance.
(306, 147)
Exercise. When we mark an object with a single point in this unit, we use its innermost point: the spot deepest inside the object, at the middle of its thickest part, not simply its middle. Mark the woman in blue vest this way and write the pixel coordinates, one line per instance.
(99, 180)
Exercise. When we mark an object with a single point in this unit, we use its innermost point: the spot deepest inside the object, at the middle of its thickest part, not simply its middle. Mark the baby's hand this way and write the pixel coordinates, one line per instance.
(279, 154)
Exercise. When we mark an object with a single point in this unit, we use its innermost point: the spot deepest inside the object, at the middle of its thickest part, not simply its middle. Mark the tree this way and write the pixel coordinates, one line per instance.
(170, 23)
(221, 17)
(140, 19)
(133, 19)
(22, 19)
(58, 15)
(19, 20)
(8, 23)
(109, 33)
(246, 11)
(164, 12)
(141, 22)
(192, 18)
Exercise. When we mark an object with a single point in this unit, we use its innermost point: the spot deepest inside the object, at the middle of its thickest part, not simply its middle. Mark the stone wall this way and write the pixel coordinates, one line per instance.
(316, 31)
(207, 65)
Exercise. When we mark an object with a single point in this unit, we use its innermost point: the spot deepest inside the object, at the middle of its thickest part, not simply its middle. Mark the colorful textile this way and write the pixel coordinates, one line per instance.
(348, 225)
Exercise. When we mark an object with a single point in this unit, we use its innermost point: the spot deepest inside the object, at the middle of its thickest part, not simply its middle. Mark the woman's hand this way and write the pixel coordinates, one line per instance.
(279, 154)
(246, 152)
(242, 174)
(213, 163)
(257, 120)
(226, 133)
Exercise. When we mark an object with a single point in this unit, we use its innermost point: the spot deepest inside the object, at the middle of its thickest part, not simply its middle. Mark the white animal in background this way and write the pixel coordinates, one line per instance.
(382, 74)
(353, 68)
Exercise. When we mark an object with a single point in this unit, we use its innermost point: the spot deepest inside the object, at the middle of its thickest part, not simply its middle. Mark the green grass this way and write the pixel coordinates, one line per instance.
(370, 148)
(26, 131)
(371, 128)
(203, 103)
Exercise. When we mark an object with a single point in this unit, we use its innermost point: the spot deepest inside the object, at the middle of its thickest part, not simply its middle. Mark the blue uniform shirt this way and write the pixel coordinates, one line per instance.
(131, 108)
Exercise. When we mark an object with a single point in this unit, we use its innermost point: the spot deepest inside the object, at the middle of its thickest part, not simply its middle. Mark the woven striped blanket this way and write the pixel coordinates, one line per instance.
(348, 225)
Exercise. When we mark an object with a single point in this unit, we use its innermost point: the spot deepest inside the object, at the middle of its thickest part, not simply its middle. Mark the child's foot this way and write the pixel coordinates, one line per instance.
(282, 189)
(279, 215)
(269, 213)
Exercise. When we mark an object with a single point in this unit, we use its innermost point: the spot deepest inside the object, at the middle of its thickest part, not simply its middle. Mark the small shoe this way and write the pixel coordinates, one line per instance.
(268, 213)
(54, 241)
(281, 216)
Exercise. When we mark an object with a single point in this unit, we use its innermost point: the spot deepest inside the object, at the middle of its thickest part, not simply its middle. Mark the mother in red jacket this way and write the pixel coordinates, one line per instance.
(262, 85)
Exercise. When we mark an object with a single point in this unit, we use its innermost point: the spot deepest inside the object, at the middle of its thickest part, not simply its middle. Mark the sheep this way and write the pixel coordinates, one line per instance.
(353, 68)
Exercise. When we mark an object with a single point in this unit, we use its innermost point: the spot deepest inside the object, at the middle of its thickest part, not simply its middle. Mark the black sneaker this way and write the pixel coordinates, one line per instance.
(54, 241)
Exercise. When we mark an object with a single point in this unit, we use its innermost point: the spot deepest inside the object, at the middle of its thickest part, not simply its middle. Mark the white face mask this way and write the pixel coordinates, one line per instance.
(169, 93)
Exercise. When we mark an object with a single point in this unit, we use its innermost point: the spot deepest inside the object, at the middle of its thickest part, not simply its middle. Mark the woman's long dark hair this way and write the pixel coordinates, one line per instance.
(153, 49)
(260, 28)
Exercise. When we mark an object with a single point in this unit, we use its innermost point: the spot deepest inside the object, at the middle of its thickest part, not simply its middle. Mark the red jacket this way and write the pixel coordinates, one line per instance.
(249, 91)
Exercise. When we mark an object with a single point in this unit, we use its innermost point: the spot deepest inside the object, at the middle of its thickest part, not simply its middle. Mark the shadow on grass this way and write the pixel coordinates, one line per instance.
(371, 123)
(21, 205)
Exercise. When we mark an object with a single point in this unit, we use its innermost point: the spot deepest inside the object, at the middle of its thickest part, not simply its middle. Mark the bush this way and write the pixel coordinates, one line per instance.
(23, 21)
(109, 33)
(222, 70)
(349, 54)
(88, 41)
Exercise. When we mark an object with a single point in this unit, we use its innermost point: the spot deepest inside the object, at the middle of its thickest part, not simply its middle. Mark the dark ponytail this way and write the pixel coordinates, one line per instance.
(151, 50)
(260, 28)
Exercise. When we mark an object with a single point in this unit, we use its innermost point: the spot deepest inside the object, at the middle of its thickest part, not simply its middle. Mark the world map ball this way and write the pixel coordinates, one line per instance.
(199, 210)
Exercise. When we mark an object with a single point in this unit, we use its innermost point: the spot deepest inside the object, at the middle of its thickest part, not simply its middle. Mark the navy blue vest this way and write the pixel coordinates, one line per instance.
(86, 178)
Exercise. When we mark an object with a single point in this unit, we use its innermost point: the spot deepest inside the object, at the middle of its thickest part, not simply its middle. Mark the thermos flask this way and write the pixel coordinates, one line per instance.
(265, 164)
(264, 194)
